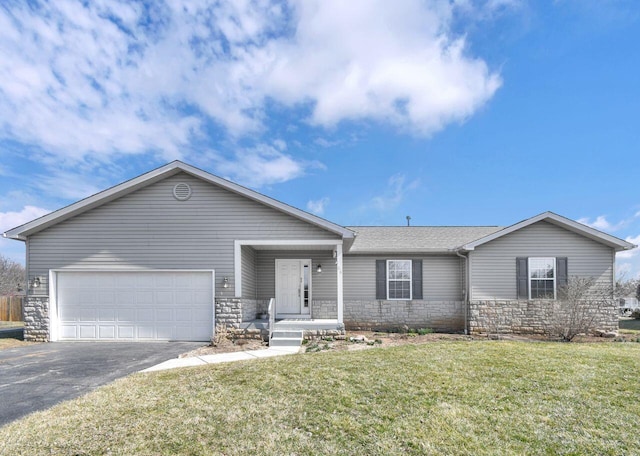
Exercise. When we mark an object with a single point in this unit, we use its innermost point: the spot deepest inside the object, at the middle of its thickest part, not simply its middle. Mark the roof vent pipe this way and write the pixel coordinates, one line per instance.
(408, 220)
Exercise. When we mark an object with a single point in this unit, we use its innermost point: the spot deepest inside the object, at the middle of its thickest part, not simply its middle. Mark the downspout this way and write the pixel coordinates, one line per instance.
(465, 291)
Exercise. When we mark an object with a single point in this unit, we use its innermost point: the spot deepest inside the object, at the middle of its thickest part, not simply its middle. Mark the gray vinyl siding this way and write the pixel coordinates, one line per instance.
(249, 272)
(323, 285)
(149, 228)
(441, 276)
(493, 265)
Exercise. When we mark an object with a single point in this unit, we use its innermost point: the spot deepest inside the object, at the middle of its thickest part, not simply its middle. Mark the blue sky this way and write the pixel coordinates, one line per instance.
(453, 112)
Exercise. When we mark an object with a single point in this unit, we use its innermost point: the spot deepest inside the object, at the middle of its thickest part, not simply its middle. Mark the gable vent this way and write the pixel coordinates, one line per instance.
(182, 191)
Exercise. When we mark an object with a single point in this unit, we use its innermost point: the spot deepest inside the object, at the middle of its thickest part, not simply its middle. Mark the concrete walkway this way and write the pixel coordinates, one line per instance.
(223, 358)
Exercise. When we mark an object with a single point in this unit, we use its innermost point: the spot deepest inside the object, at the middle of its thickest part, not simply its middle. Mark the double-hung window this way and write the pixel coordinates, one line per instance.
(542, 278)
(399, 279)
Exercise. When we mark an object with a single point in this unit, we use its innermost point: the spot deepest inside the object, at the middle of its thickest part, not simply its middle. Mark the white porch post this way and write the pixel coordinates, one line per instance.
(339, 272)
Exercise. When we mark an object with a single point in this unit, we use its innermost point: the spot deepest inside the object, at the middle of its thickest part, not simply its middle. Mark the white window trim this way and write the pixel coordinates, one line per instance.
(555, 276)
(410, 280)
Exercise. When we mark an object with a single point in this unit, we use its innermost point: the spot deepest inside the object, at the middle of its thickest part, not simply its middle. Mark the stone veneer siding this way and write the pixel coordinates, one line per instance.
(36, 319)
(228, 312)
(527, 317)
(443, 316)
(324, 309)
(252, 307)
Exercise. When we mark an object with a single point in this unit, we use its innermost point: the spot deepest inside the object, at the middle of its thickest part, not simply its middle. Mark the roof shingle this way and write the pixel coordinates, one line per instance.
(380, 239)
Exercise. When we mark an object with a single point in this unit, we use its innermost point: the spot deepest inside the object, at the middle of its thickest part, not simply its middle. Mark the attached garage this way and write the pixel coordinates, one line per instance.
(133, 305)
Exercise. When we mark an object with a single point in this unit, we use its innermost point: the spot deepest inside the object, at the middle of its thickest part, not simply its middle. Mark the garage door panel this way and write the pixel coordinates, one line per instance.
(200, 314)
(106, 297)
(165, 298)
(145, 332)
(84, 314)
(184, 315)
(144, 315)
(126, 332)
(164, 315)
(125, 281)
(69, 332)
(126, 315)
(107, 315)
(144, 296)
(106, 332)
(106, 281)
(125, 298)
(87, 332)
(134, 305)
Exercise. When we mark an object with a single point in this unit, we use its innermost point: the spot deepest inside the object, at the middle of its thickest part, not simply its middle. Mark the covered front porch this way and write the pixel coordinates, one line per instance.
(290, 285)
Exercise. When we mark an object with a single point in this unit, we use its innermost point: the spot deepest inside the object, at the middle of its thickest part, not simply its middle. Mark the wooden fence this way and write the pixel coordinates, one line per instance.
(11, 308)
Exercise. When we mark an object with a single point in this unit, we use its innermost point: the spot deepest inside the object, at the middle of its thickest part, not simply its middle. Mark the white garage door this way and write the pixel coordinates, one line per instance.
(135, 306)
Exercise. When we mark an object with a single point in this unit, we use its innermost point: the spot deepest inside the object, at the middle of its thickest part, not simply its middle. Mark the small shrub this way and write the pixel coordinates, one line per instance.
(412, 334)
(305, 341)
(221, 335)
(636, 314)
(379, 341)
(423, 331)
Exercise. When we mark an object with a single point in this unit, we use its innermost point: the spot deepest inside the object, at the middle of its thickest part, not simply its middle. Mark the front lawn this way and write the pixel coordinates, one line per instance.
(481, 398)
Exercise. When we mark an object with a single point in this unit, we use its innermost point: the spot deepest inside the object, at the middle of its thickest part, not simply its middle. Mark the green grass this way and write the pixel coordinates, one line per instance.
(630, 326)
(480, 398)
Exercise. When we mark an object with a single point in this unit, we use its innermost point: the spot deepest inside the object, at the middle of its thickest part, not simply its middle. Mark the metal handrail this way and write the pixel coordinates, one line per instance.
(272, 316)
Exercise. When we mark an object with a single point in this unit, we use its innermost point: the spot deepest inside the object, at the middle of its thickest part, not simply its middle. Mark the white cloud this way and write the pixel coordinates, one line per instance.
(12, 249)
(601, 223)
(262, 165)
(90, 79)
(68, 185)
(317, 206)
(626, 254)
(9, 220)
(397, 188)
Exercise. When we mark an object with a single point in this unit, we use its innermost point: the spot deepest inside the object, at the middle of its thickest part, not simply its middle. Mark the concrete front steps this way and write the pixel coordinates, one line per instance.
(286, 338)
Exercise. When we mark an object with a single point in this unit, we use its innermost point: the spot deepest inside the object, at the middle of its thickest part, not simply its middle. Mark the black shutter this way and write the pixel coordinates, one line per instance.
(416, 278)
(381, 279)
(522, 277)
(562, 277)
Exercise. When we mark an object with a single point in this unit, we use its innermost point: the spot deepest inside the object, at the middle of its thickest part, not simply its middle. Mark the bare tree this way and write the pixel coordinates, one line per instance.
(12, 277)
(626, 287)
(583, 306)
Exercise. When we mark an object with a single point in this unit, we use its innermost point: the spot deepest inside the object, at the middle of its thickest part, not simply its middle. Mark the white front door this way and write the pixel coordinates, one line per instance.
(293, 288)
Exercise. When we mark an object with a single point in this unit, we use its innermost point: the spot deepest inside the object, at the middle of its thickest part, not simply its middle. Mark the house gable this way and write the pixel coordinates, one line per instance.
(118, 191)
(568, 224)
(493, 264)
(151, 229)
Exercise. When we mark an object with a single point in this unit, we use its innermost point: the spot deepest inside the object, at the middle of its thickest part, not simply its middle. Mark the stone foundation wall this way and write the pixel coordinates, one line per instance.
(324, 309)
(229, 312)
(531, 317)
(443, 316)
(252, 307)
(36, 319)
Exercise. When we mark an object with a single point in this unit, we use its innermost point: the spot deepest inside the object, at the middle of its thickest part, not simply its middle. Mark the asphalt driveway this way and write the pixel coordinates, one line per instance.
(38, 376)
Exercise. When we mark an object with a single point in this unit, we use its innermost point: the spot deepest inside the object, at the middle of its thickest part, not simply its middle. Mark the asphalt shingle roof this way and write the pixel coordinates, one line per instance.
(374, 239)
